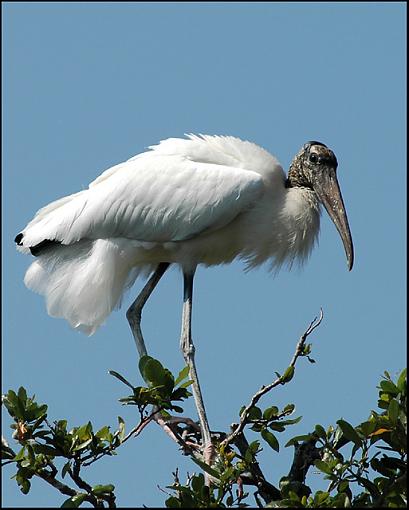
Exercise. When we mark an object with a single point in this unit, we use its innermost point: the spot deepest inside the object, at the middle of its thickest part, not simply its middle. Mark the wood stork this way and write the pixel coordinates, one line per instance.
(200, 200)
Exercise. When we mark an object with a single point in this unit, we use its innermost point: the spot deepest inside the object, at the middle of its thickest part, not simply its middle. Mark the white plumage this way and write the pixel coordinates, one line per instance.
(201, 200)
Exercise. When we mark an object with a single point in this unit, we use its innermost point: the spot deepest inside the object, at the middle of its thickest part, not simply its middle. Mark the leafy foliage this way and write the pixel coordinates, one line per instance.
(42, 443)
(364, 465)
(162, 390)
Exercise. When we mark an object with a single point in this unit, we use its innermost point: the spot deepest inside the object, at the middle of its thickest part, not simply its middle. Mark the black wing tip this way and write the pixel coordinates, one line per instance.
(18, 239)
(38, 248)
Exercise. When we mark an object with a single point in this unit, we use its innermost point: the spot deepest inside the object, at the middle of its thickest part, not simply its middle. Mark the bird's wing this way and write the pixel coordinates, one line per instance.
(155, 196)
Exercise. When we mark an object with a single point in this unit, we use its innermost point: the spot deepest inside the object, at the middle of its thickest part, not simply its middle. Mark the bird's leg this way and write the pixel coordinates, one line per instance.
(134, 313)
(188, 349)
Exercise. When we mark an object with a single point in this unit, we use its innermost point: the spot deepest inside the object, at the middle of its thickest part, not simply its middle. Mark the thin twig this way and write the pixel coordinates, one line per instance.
(50, 478)
(300, 345)
(265, 389)
(7, 462)
(141, 425)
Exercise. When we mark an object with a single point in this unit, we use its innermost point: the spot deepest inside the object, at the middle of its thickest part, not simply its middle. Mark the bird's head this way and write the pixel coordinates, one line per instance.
(315, 167)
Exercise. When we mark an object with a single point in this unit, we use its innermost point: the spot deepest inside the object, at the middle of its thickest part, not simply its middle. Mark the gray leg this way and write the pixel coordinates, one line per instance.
(134, 313)
(188, 349)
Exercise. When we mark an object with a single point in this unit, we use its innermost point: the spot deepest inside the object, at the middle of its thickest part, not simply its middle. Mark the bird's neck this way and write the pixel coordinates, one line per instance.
(296, 177)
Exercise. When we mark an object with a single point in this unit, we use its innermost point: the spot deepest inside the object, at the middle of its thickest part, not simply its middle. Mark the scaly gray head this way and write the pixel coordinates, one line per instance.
(315, 167)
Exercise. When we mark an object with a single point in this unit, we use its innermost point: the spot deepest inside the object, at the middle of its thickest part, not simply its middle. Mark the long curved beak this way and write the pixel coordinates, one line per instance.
(327, 188)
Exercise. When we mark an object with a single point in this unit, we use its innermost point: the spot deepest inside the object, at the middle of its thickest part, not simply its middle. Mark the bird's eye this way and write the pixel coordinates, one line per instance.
(313, 158)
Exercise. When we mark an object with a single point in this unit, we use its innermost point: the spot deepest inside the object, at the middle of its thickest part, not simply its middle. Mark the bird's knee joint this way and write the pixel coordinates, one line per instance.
(191, 350)
(134, 314)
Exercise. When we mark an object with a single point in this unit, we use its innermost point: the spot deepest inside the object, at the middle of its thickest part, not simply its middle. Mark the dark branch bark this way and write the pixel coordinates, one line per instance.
(305, 455)
(266, 490)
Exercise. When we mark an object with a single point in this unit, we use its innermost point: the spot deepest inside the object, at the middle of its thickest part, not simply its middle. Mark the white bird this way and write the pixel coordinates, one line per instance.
(201, 200)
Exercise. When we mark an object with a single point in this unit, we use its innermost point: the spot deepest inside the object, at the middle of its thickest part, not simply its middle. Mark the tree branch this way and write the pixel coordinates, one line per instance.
(299, 350)
(64, 489)
(266, 490)
(305, 455)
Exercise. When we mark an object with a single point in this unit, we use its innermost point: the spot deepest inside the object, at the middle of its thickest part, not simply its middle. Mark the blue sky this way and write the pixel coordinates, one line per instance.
(88, 85)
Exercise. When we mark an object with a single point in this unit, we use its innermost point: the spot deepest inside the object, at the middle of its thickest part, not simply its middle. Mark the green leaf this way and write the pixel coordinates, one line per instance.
(121, 428)
(21, 454)
(25, 486)
(168, 381)
(198, 482)
(349, 431)
(84, 432)
(320, 431)
(257, 427)
(393, 411)
(254, 446)
(66, 468)
(289, 408)
(382, 404)
(249, 456)
(102, 489)
(173, 502)
(22, 395)
(120, 377)
(278, 426)
(401, 384)
(271, 439)
(156, 375)
(20, 408)
(40, 420)
(151, 370)
(186, 384)
(10, 401)
(180, 394)
(298, 439)
(343, 486)
(288, 375)
(104, 433)
(389, 387)
(290, 422)
(12, 397)
(182, 375)
(254, 413)
(323, 466)
(270, 412)
(46, 450)
(62, 425)
(367, 427)
(74, 501)
(30, 451)
(320, 497)
(83, 445)
(142, 361)
(206, 468)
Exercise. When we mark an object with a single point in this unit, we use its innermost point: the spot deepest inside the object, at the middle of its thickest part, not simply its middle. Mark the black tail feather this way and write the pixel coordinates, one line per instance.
(38, 248)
